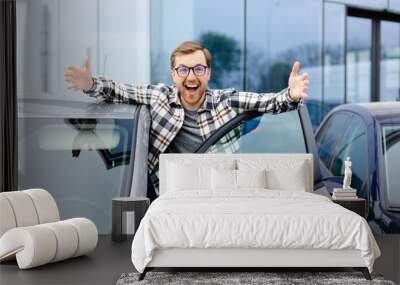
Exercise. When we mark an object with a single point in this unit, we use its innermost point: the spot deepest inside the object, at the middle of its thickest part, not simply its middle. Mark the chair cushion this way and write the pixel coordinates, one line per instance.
(7, 215)
(32, 246)
(27, 208)
(24, 211)
(45, 205)
(40, 244)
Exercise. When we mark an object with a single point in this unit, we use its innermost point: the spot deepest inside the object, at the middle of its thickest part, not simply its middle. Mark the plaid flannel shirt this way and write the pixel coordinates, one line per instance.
(167, 113)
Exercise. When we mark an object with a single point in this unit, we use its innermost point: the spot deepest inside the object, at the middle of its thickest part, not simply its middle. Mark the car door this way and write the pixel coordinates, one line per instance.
(84, 154)
(384, 193)
(253, 132)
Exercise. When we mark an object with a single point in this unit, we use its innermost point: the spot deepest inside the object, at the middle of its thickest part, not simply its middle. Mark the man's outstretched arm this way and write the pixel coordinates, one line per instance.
(287, 99)
(82, 79)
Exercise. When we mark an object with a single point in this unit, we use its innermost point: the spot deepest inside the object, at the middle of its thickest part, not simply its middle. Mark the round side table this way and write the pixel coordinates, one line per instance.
(139, 205)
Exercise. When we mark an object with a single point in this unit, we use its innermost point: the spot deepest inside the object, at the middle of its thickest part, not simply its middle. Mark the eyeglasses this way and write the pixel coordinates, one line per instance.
(198, 70)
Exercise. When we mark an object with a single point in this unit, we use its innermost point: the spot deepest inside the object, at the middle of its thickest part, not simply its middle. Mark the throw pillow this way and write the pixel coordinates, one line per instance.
(251, 178)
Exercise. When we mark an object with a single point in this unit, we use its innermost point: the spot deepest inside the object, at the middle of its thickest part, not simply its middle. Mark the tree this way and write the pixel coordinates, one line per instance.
(225, 52)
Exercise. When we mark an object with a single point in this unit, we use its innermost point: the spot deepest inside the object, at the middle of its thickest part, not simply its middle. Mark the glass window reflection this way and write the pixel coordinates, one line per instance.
(328, 136)
(358, 60)
(390, 61)
(353, 144)
(279, 32)
(264, 134)
(334, 55)
(176, 21)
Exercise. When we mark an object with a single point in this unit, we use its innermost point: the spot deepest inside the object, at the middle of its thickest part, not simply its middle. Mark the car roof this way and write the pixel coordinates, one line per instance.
(378, 110)
(52, 109)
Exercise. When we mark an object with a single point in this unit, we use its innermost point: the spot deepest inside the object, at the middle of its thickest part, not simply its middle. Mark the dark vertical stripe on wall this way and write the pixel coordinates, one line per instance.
(8, 97)
(375, 60)
(345, 55)
(244, 76)
(322, 105)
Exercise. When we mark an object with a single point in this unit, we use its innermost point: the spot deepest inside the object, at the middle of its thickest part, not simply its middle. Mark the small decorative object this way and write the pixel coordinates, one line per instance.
(347, 174)
(346, 192)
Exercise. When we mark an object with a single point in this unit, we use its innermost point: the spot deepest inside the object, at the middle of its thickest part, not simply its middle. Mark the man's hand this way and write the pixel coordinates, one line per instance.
(79, 79)
(298, 84)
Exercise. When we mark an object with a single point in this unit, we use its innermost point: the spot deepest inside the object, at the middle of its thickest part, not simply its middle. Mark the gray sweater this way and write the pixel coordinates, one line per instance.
(188, 138)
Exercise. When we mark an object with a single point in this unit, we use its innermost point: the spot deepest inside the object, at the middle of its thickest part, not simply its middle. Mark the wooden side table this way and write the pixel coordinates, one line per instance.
(357, 205)
(139, 205)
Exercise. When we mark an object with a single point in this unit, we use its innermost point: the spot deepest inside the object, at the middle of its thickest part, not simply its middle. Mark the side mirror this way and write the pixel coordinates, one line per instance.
(331, 182)
(336, 179)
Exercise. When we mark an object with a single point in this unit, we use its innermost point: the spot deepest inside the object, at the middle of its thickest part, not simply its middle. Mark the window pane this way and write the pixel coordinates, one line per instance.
(334, 55)
(358, 60)
(280, 32)
(390, 61)
(391, 145)
(328, 136)
(381, 4)
(353, 144)
(175, 21)
(394, 6)
(52, 34)
(264, 134)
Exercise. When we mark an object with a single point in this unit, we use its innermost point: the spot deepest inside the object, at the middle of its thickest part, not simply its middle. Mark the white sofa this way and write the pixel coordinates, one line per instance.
(31, 231)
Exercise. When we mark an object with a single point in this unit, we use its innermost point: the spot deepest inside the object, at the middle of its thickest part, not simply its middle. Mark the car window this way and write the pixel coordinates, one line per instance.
(267, 133)
(353, 144)
(391, 149)
(328, 135)
(82, 162)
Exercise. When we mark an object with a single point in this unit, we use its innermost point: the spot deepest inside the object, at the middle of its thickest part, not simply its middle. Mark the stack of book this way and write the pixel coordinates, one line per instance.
(344, 194)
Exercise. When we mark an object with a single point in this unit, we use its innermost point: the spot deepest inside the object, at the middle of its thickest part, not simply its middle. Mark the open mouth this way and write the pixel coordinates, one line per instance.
(191, 88)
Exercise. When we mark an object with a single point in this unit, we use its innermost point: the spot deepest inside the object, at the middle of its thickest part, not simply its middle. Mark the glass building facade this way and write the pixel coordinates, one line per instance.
(255, 43)
(349, 48)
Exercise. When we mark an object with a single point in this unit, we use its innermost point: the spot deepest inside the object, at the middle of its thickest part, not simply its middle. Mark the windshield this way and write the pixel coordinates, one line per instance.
(267, 133)
(391, 152)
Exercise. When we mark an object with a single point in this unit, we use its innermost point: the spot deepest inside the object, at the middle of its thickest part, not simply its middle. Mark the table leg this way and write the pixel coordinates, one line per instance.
(140, 211)
(116, 234)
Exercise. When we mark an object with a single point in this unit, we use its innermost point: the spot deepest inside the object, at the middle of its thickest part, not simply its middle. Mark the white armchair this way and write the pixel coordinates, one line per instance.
(31, 230)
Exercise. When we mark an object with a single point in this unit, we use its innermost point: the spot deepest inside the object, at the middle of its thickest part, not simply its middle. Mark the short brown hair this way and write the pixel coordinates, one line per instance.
(188, 48)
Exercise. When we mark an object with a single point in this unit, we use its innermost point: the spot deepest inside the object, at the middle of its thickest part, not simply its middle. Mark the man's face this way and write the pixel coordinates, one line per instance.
(191, 87)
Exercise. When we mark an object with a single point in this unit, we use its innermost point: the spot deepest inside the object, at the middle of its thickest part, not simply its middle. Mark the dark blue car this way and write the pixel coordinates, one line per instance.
(369, 133)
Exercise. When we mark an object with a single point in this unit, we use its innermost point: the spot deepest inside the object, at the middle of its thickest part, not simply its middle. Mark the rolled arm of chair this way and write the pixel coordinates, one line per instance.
(33, 246)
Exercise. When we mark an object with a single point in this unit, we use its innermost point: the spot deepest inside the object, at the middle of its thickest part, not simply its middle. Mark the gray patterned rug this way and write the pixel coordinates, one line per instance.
(242, 278)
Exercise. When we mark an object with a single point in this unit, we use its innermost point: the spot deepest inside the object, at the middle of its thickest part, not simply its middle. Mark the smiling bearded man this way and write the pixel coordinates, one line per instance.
(191, 73)
(185, 115)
